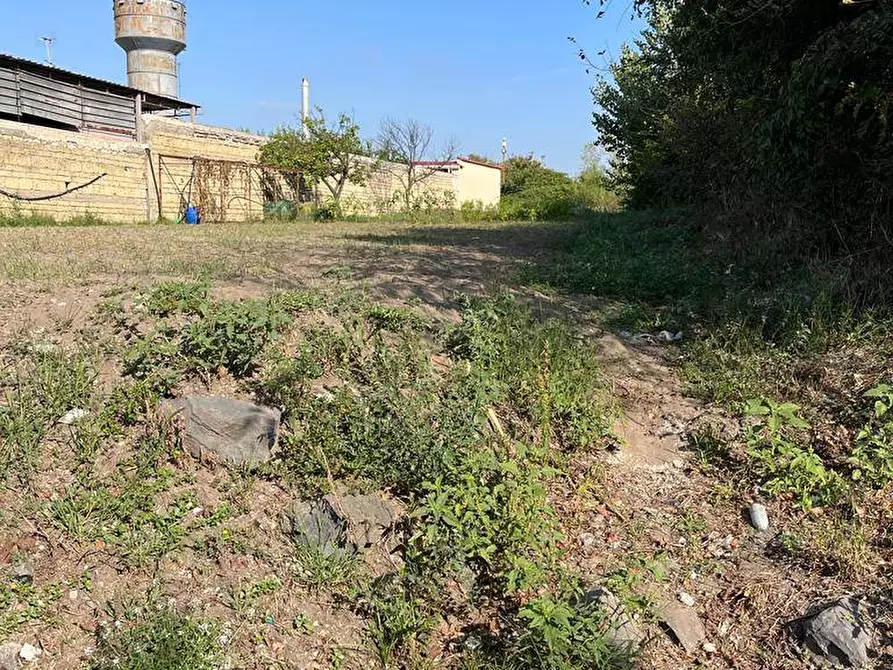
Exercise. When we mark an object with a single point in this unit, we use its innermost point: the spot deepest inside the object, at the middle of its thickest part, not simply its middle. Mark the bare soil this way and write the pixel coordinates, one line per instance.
(649, 497)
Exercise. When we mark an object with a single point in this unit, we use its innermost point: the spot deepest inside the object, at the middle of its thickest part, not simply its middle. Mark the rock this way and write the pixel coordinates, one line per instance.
(624, 634)
(22, 571)
(840, 633)
(339, 523)
(29, 653)
(9, 656)
(709, 648)
(73, 416)
(233, 431)
(686, 599)
(684, 623)
(759, 517)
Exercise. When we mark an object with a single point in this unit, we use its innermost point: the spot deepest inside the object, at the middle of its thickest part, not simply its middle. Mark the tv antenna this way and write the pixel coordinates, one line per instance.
(48, 42)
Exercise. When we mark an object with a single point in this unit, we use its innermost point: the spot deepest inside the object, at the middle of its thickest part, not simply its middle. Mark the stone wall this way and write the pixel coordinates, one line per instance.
(178, 163)
(38, 161)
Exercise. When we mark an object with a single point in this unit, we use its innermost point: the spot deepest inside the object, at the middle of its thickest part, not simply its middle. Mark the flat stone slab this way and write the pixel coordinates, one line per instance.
(231, 430)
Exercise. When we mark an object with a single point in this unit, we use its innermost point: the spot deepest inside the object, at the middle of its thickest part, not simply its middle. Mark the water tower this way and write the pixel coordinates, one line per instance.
(152, 32)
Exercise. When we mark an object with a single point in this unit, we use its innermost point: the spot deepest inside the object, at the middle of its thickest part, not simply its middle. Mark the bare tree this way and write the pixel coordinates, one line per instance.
(410, 144)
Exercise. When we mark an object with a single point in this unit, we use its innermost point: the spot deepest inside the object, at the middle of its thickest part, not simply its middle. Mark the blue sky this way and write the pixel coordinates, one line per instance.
(473, 70)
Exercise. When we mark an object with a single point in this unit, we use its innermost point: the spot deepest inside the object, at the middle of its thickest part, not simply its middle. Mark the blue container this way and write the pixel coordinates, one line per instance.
(193, 218)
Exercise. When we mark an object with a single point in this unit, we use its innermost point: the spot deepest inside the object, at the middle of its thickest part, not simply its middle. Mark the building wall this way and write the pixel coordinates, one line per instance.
(478, 183)
(40, 161)
(178, 163)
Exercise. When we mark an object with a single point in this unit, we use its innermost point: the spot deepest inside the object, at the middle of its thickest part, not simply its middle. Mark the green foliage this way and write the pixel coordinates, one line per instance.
(16, 218)
(22, 603)
(487, 513)
(43, 388)
(163, 639)
(533, 192)
(177, 297)
(331, 155)
(564, 634)
(231, 335)
(772, 114)
(872, 455)
(786, 466)
(398, 624)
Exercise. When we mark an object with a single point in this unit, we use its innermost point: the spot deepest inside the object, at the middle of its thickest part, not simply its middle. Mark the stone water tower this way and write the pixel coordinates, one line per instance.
(153, 33)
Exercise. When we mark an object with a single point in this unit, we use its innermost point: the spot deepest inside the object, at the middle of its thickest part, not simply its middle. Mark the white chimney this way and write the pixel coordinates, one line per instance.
(305, 105)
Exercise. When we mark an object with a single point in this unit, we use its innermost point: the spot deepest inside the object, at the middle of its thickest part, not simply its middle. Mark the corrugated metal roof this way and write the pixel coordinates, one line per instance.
(152, 99)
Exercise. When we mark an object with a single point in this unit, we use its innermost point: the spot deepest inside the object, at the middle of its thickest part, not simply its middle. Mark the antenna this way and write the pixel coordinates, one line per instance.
(505, 148)
(48, 42)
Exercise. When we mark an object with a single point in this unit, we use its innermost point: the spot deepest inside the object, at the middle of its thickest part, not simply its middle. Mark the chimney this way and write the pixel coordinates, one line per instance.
(305, 106)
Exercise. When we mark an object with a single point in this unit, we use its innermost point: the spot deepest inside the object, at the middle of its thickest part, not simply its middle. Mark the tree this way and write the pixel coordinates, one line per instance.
(331, 155)
(410, 145)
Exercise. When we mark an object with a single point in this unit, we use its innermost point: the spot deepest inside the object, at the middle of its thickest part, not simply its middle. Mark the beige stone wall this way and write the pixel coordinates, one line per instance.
(41, 161)
(230, 191)
(214, 168)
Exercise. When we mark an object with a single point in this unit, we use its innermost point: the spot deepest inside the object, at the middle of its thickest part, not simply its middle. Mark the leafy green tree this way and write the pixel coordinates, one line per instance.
(775, 112)
(331, 155)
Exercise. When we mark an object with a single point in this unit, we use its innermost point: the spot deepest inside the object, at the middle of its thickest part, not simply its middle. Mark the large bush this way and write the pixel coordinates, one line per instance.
(774, 114)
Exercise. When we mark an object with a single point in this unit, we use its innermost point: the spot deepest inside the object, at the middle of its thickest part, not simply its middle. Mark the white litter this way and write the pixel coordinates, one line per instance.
(29, 653)
(73, 416)
(686, 599)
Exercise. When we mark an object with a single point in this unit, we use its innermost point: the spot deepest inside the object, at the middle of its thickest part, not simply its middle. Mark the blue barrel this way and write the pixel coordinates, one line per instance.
(193, 218)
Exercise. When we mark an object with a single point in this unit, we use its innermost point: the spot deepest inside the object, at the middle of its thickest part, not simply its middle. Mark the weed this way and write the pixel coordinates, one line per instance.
(43, 388)
(787, 467)
(21, 603)
(327, 567)
(243, 598)
(872, 456)
(398, 624)
(231, 335)
(164, 639)
(177, 297)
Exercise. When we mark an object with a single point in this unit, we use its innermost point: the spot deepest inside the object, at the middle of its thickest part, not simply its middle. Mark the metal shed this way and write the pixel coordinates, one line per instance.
(32, 92)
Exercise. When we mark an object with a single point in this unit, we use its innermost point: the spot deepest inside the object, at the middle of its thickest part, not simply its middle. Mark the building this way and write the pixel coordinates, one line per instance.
(71, 144)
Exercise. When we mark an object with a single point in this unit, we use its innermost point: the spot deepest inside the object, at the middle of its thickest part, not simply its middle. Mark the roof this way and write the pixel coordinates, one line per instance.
(151, 101)
(455, 163)
(481, 163)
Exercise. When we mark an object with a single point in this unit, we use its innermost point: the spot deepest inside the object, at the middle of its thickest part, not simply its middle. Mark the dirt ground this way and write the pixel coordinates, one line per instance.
(660, 502)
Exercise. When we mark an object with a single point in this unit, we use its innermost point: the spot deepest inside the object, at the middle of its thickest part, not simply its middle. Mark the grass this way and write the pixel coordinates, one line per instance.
(162, 639)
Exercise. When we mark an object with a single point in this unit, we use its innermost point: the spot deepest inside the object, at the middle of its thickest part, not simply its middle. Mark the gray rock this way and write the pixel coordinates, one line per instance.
(339, 523)
(759, 517)
(9, 656)
(232, 430)
(684, 623)
(840, 633)
(624, 634)
(22, 571)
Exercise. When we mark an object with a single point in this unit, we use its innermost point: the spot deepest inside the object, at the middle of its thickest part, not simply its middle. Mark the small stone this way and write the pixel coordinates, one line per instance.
(623, 634)
(679, 464)
(587, 540)
(684, 623)
(73, 594)
(686, 599)
(9, 656)
(29, 653)
(709, 647)
(23, 571)
(759, 517)
(73, 416)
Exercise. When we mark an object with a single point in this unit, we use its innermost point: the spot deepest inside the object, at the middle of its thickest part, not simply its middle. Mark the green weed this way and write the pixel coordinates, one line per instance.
(164, 639)
(787, 467)
(177, 297)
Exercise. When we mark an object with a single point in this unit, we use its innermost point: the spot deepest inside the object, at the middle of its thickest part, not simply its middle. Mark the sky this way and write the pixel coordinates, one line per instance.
(474, 70)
